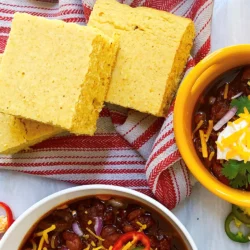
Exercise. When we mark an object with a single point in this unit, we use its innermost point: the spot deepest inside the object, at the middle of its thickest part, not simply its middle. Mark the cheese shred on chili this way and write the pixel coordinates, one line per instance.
(91, 232)
(98, 248)
(41, 243)
(226, 91)
(198, 126)
(143, 226)
(203, 144)
(211, 155)
(34, 246)
(210, 128)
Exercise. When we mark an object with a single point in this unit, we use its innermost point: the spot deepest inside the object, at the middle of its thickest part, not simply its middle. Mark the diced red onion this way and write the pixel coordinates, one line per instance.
(212, 100)
(227, 117)
(98, 225)
(116, 203)
(64, 248)
(236, 96)
(77, 230)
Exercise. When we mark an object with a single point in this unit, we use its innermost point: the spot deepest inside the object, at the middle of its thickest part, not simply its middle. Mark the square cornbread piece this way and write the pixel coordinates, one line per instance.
(17, 134)
(56, 73)
(154, 48)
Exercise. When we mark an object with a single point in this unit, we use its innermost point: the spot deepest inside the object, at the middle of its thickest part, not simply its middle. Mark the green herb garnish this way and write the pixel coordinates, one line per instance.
(237, 172)
(240, 103)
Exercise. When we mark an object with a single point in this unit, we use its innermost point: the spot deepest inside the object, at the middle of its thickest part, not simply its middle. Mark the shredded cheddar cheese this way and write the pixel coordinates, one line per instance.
(41, 243)
(143, 226)
(110, 248)
(246, 111)
(209, 130)
(211, 155)
(45, 248)
(232, 138)
(219, 145)
(53, 227)
(93, 243)
(200, 123)
(231, 154)
(92, 233)
(203, 144)
(98, 248)
(34, 246)
(226, 90)
(44, 234)
(89, 222)
(87, 248)
(128, 245)
(85, 236)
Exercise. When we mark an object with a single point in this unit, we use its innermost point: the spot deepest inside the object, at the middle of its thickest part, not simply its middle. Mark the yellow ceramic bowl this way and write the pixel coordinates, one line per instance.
(199, 78)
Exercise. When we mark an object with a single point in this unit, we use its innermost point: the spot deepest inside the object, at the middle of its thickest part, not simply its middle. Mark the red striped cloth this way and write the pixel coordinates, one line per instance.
(129, 149)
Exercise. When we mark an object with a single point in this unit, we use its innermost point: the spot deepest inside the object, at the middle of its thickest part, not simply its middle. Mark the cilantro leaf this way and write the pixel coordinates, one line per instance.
(240, 103)
(248, 178)
(231, 169)
(239, 181)
(237, 172)
(244, 168)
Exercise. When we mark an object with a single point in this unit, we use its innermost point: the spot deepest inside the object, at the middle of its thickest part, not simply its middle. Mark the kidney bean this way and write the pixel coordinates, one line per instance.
(73, 242)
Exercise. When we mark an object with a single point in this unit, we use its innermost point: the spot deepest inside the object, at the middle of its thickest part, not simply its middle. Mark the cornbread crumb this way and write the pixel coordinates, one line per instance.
(56, 73)
(154, 47)
(17, 134)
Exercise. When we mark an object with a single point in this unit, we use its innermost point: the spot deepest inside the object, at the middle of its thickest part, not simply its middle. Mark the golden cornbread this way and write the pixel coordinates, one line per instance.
(56, 73)
(17, 134)
(154, 47)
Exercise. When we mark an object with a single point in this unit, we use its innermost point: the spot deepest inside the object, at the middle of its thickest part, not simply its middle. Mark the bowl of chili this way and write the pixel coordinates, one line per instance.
(97, 217)
(211, 123)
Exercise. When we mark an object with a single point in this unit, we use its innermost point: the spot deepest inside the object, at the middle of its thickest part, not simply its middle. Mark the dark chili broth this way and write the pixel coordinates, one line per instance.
(177, 243)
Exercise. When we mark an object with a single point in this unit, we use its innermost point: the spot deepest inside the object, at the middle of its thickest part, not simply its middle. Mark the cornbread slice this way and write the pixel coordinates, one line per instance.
(154, 47)
(17, 134)
(56, 73)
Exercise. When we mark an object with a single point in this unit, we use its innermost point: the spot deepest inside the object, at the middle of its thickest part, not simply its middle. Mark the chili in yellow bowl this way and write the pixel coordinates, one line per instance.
(211, 124)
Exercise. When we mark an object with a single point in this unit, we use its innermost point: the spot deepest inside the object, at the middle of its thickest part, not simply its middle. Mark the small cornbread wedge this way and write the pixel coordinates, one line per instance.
(56, 73)
(154, 48)
(17, 134)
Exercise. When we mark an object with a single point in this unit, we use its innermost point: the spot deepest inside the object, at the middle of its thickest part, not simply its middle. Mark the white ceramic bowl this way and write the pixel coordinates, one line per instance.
(15, 235)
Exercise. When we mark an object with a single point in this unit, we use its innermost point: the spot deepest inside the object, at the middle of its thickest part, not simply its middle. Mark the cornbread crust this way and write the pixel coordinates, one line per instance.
(17, 134)
(100, 73)
(56, 73)
(154, 47)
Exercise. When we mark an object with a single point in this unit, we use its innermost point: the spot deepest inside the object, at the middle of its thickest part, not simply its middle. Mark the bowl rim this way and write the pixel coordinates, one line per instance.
(58, 194)
(238, 197)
